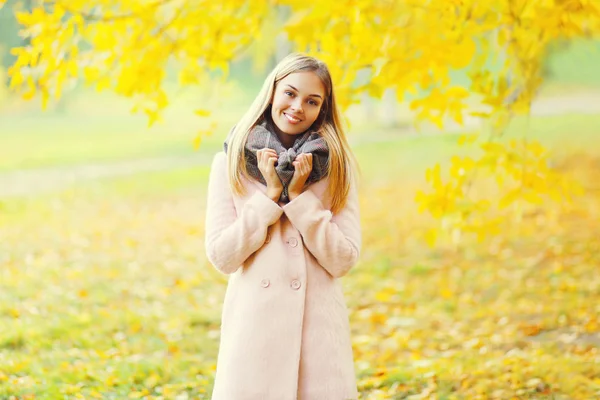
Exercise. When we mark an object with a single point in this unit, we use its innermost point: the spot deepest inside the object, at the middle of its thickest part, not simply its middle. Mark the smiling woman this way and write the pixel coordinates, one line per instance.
(282, 220)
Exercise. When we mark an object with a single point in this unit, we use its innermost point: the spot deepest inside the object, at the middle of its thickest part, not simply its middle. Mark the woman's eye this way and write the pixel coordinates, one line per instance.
(289, 93)
(312, 102)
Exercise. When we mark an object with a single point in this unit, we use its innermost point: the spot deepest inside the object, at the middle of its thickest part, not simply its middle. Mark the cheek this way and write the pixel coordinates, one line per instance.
(314, 115)
(279, 102)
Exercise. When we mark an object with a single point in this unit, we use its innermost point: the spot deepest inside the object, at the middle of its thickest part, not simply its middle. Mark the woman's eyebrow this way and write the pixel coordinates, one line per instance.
(310, 95)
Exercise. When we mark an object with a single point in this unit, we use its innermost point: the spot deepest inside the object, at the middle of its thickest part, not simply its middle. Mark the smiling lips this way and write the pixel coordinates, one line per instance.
(292, 119)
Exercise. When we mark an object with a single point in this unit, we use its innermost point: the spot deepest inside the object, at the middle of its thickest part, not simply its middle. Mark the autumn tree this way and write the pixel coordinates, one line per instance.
(408, 47)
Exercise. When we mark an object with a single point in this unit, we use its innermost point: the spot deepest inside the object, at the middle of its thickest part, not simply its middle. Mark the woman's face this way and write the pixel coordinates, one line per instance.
(296, 104)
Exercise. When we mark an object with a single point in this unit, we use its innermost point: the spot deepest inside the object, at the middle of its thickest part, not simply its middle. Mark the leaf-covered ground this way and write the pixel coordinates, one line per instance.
(105, 291)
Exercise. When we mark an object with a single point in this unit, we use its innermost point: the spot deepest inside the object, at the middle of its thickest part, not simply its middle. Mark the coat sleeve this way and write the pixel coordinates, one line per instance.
(334, 240)
(230, 238)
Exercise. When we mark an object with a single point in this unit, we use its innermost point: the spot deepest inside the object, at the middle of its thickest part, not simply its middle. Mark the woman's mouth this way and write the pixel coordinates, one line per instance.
(291, 119)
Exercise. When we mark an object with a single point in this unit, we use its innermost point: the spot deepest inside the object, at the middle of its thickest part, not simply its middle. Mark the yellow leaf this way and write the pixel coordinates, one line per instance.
(16, 77)
(530, 329)
(463, 53)
(103, 83)
(431, 237)
(152, 380)
(202, 113)
(153, 116)
(421, 198)
(434, 176)
(198, 139)
(536, 148)
(509, 198)
(45, 99)
(90, 74)
(593, 325)
(71, 389)
(480, 114)
(138, 394)
(173, 349)
(385, 295)
(458, 92)
(111, 381)
(492, 147)
(446, 292)
(378, 318)
(533, 197)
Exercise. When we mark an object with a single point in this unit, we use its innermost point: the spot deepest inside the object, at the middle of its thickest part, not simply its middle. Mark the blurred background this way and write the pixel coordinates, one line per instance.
(105, 291)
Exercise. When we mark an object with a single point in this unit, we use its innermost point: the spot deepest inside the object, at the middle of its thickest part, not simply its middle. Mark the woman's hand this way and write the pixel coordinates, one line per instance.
(303, 167)
(266, 164)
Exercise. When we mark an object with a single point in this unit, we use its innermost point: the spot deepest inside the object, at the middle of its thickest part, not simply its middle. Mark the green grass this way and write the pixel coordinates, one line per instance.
(27, 144)
(131, 312)
(105, 292)
(408, 156)
(575, 64)
(52, 141)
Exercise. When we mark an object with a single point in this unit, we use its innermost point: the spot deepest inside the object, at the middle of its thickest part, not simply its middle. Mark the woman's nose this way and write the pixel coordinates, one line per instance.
(297, 105)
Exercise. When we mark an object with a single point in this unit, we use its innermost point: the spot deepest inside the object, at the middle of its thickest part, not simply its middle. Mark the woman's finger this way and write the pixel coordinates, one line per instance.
(270, 152)
(306, 163)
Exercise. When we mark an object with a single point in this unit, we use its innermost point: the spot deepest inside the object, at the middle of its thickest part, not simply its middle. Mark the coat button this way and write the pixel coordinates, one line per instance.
(296, 284)
(268, 238)
(293, 242)
(265, 283)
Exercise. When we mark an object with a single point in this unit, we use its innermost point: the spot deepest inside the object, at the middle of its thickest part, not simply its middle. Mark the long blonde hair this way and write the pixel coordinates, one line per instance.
(342, 165)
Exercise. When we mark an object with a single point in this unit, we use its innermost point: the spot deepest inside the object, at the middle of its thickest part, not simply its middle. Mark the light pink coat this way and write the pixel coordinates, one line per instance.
(284, 331)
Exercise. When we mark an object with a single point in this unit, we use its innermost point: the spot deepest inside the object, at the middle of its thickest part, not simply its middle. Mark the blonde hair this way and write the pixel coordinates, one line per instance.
(342, 165)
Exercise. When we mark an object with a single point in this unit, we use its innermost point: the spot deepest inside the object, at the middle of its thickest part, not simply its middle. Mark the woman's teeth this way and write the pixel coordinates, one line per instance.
(291, 119)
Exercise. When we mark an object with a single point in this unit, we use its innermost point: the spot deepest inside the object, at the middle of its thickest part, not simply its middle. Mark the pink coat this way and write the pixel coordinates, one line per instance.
(284, 331)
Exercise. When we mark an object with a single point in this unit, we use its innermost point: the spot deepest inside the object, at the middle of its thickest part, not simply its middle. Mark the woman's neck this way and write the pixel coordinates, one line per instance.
(286, 140)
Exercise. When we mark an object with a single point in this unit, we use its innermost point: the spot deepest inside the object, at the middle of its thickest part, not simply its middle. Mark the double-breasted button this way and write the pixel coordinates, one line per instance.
(265, 283)
(295, 284)
(268, 238)
(293, 242)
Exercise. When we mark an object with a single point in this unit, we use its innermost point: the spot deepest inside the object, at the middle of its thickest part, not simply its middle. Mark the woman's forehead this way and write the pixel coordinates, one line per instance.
(306, 82)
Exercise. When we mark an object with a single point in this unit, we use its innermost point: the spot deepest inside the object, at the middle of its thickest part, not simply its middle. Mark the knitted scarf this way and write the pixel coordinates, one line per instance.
(263, 136)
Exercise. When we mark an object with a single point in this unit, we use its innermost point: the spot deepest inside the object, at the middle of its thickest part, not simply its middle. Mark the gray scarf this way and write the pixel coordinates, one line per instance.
(263, 136)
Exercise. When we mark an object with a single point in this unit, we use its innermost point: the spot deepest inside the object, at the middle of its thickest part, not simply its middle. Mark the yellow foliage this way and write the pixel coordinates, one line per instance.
(523, 179)
(417, 44)
(401, 46)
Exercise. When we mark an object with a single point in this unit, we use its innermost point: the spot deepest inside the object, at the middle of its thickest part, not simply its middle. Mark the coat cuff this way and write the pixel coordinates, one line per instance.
(265, 206)
(305, 204)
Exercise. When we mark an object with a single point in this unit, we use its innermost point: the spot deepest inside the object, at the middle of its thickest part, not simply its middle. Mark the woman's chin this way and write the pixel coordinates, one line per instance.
(290, 130)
